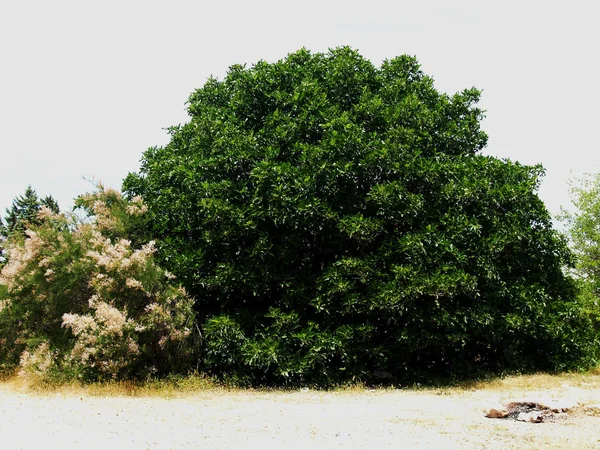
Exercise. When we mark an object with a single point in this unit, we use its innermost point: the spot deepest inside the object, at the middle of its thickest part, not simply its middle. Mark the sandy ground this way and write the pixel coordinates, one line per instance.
(302, 419)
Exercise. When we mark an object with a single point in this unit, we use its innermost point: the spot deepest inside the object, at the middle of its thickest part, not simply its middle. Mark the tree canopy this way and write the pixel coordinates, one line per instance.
(335, 221)
(584, 229)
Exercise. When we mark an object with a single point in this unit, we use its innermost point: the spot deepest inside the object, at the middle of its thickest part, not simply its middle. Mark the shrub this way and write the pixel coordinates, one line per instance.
(83, 299)
(335, 220)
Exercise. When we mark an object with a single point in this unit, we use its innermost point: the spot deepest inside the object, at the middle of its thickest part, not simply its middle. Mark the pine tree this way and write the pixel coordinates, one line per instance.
(24, 210)
(50, 203)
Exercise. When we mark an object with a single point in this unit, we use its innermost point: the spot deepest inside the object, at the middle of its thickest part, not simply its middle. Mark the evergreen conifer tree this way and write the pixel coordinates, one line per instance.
(23, 212)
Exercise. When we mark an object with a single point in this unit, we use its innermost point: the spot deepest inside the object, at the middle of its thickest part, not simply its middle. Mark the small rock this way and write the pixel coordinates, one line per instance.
(593, 410)
(497, 413)
(532, 417)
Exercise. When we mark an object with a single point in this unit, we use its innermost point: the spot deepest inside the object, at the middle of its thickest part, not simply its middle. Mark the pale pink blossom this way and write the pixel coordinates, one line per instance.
(38, 361)
(111, 318)
(78, 323)
(4, 304)
(134, 284)
(46, 213)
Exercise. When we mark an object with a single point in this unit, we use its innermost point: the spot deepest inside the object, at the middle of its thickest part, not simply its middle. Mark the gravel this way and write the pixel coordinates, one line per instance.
(217, 419)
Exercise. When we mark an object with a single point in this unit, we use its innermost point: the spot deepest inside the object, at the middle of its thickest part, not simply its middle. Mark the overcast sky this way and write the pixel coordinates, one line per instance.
(86, 87)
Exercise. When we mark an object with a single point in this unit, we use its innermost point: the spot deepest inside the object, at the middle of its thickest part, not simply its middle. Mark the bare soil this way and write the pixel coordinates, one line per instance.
(357, 418)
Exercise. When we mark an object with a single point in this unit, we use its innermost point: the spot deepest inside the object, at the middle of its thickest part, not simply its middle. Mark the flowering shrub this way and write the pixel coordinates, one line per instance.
(82, 297)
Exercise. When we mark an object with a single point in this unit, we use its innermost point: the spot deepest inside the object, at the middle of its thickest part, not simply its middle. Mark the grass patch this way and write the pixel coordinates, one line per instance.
(170, 387)
(182, 386)
(541, 381)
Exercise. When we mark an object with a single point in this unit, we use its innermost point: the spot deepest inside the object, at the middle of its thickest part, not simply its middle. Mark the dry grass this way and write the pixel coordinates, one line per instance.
(543, 381)
(182, 386)
(167, 388)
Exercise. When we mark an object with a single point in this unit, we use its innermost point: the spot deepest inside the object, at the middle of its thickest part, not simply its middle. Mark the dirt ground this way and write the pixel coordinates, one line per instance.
(358, 418)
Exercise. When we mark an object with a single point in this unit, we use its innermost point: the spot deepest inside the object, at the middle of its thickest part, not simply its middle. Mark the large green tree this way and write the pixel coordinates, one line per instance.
(584, 229)
(335, 220)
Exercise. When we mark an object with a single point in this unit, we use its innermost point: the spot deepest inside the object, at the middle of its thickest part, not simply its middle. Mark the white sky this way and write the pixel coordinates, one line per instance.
(86, 87)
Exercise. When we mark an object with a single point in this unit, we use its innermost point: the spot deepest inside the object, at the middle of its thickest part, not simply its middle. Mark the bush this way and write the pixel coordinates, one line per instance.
(83, 299)
(334, 221)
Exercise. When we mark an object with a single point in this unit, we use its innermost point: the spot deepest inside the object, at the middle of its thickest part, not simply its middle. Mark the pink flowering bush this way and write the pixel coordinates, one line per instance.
(85, 297)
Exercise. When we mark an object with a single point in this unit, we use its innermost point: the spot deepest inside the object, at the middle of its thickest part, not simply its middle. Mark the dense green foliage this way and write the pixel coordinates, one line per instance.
(334, 220)
(82, 299)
